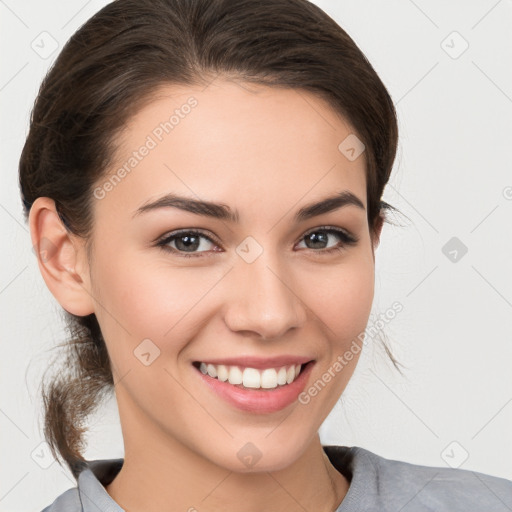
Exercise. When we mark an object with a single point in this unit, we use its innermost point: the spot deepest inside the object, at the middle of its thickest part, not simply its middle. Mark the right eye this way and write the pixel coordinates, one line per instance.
(186, 241)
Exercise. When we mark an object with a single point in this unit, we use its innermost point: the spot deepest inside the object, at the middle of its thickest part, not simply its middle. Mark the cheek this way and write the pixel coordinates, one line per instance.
(344, 299)
(144, 299)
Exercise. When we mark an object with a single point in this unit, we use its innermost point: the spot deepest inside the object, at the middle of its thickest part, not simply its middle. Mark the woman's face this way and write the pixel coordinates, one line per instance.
(262, 284)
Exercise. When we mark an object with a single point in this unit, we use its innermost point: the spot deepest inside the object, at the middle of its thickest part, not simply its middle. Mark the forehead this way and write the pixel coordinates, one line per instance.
(234, 140)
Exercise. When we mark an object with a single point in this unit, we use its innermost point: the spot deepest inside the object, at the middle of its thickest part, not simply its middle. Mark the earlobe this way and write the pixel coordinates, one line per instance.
(61, 258)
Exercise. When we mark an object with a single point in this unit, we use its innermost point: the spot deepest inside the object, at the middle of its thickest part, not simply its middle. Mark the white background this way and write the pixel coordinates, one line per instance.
(452, 178)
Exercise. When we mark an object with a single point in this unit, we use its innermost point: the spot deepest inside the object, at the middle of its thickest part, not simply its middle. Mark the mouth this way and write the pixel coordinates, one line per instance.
(244, 387)
(247, 377)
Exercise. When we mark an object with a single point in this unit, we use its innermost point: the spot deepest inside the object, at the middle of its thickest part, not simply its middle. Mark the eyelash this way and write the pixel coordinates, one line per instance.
(346, 240)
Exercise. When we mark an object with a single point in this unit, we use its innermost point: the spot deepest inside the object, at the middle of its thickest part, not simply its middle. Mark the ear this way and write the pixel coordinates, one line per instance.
(61, 258)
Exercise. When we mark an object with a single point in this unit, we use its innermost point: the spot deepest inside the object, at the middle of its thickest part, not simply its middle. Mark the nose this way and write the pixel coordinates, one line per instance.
(263, 299)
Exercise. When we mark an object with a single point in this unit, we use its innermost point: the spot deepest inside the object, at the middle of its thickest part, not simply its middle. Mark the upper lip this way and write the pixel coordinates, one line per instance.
(259, 362)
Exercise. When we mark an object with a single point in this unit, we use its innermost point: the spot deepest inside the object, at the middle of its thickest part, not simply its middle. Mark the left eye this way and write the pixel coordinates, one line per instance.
(321, 235)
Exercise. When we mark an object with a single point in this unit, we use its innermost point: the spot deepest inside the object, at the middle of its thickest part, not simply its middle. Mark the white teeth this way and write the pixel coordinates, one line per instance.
(251, 378)
(212, 371)
(268, 378)
(222, 373)
(281, 376)
(290, 374)
(235, 375)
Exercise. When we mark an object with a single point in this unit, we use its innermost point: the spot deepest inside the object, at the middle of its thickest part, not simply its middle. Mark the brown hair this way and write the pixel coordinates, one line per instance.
(112, 65)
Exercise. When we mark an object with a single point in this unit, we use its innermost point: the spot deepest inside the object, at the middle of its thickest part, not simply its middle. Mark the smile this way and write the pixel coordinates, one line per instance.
(262, 391)
(267, 378)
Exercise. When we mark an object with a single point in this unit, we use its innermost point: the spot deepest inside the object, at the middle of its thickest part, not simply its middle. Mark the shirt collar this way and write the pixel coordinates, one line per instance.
(91, 485)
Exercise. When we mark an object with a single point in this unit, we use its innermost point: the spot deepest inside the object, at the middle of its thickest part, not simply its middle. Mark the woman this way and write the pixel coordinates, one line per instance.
(203, 181)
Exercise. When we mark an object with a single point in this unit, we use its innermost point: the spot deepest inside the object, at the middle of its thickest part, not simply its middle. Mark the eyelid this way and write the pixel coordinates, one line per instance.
(214, 239)
(342, 231)
(162, 241)
(174, 234)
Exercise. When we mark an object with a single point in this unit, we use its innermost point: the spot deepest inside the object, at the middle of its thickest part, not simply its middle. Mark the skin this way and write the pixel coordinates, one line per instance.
(265, 152)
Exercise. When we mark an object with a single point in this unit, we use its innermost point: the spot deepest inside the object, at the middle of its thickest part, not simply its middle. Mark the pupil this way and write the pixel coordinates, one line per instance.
(189, 242)
(317, 237)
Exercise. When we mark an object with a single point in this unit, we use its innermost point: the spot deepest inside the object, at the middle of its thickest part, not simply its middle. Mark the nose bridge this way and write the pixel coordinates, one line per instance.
(264, 301)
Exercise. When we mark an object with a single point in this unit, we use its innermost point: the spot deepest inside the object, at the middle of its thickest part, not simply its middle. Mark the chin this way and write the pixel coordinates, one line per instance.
(258, 455)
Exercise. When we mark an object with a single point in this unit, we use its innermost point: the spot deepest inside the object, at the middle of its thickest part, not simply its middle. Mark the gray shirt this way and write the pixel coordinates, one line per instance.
(376, 484)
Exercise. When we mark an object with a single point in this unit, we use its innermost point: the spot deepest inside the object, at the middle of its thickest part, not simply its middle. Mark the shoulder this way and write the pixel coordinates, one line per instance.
(378, 483)
(404, 486)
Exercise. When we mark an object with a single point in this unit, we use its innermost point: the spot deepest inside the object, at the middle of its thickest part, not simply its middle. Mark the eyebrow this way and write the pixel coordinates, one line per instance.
(224, 212)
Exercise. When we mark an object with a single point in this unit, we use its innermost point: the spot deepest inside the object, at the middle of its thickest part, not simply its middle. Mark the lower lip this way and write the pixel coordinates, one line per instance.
(258, 400)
